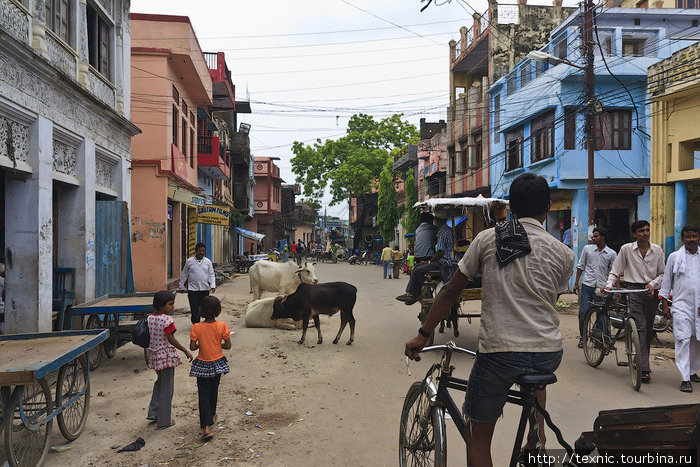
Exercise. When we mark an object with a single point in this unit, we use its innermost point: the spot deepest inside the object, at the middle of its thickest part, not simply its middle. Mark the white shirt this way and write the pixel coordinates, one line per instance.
(518, 311)
(199, 274)
(637, 269)
(684, 283)
(596, 265)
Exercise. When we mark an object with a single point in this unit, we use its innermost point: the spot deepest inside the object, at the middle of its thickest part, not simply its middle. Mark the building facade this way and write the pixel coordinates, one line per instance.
(674, 91)
(65, 136)
(539, 125)
(172, 90)
(497, 40)
(268, 201)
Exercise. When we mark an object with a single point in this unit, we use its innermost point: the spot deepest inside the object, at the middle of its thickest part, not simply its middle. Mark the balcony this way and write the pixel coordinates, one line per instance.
(212, 158)
(224, 92)
(470, 52)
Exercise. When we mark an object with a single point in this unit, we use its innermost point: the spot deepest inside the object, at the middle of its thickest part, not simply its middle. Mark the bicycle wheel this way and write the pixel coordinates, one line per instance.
(95, 355)
(72, 380)
(422, 439)
(4, 400)
(26, 445)
(632, 349)
(109, 346)
(593, 342)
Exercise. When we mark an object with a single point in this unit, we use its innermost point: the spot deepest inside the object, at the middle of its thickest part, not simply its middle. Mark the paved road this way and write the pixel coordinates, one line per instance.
(329, 404)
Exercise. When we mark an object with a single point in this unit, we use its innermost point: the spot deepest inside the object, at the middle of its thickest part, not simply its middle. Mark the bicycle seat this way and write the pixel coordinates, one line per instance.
(537, 380)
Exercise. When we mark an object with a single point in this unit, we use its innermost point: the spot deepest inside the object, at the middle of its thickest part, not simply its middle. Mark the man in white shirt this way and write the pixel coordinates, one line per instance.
(642, 265)
(524, 269)
(595, 264)
(682, 278)
(198, 274)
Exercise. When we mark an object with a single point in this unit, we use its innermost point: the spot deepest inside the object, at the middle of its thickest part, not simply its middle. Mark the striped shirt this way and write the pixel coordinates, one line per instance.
(444, 241)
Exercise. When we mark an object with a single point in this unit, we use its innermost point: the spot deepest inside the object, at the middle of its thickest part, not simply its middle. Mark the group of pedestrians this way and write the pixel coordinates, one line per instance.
(641, 265)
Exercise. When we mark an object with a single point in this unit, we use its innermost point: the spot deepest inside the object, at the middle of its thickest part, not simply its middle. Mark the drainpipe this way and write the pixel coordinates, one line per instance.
(681, 214)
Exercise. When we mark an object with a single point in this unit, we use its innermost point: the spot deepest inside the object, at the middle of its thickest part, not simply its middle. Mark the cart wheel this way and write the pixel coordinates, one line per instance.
(109, 346)
(73, 379)
(95, 354)
(26, 444)
(632, 350)
(4, 400)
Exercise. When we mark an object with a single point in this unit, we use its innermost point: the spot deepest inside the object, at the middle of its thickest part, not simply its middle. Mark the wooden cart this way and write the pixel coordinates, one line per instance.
(457, 210)
(659, 432)
(29, 364)
(116, 312)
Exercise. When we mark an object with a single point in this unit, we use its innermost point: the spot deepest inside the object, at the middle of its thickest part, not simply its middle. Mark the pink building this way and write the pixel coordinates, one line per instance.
(268, 199)
(171, 86)
(432, 167)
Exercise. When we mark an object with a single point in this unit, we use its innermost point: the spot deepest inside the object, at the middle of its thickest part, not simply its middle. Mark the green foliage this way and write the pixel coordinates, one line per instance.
(388, 213)
(237, 219)
(313, 203)
(350, 166)
(410, 223)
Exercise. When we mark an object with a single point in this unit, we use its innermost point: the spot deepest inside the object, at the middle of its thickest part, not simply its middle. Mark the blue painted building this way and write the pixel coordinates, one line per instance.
(538, 119)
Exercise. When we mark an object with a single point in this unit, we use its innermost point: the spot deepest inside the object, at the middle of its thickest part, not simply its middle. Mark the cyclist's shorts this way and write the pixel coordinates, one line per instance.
(494, 373)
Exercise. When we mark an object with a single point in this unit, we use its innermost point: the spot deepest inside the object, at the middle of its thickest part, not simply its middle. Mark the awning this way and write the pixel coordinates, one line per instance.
(457, 221)
(251, 235)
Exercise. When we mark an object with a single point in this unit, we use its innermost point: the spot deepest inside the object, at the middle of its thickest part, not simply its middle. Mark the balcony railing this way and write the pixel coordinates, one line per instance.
(212, 157)
(481, 23)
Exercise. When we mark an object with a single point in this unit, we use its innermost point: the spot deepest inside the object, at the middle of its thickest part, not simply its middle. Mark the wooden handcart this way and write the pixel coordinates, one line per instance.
(29, 365)
(118, 313)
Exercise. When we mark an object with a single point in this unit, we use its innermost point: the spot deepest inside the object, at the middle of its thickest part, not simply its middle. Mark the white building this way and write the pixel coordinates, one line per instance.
(65, 140)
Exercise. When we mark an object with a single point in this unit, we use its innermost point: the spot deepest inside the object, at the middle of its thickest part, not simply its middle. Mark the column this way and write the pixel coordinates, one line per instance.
(76, 232)
(29, 238)
(680, 217)
(579, 224)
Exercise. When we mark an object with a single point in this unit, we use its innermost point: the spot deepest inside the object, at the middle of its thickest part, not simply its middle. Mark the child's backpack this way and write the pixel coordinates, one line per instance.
(140, 334)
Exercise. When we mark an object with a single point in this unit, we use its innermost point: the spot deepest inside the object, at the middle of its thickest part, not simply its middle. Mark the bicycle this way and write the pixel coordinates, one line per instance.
(422, 429)
(598, 340)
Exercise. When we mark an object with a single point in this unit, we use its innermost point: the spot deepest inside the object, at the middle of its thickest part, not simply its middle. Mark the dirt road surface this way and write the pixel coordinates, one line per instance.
(327, 404)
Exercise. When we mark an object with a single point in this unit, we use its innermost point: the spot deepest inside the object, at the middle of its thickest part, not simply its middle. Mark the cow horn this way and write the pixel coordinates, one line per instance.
(298, 271)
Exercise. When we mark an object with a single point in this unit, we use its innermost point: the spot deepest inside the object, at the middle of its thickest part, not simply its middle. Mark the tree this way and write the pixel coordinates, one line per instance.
(410, 223)
(350, 166)
(388, 212)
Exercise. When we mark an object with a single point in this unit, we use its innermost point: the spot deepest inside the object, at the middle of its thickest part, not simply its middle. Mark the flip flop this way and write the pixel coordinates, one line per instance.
(166, 426)
(207, 437)
(152, 418)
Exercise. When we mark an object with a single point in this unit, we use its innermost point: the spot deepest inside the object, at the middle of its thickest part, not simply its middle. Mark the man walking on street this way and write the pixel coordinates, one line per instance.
(524, 269)
(682, 278)
(642, 265)
(595, 264)
(198, 275)
(425, 238)
(396, 259)
(386, 261)
(444, 253)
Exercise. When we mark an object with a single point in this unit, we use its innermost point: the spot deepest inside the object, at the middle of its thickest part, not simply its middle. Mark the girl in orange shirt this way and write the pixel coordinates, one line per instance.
(209, 336)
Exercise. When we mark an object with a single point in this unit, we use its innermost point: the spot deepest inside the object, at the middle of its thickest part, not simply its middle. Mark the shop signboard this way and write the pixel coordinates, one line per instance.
(213, 214)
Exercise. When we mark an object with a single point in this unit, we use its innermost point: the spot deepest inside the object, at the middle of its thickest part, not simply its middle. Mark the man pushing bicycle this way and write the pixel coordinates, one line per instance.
(524, 269)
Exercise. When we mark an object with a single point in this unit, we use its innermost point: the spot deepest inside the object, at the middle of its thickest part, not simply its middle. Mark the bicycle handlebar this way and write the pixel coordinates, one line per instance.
(448, 346)
(626, 291)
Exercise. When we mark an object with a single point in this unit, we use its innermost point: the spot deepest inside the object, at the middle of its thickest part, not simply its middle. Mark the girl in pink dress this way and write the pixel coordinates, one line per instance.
(162, 357)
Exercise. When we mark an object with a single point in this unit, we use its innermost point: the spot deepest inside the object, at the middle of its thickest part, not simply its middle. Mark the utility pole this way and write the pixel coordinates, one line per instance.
(590, 108)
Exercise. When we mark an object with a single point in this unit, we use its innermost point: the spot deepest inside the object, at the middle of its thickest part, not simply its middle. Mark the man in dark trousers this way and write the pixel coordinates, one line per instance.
(524, 268)
(198, 275)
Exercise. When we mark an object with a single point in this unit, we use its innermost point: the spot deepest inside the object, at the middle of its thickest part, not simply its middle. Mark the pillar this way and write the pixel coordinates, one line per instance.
(76, 232)
(579, 225)
(680, 217)
(29, 238)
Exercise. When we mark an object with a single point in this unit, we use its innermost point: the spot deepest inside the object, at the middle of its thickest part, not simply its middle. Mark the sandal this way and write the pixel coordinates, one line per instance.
(151, 418)
(172, 422)
(646, 377)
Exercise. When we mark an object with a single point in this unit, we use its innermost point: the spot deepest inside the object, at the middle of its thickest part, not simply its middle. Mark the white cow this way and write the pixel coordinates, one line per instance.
(283, 278)
(258, 314)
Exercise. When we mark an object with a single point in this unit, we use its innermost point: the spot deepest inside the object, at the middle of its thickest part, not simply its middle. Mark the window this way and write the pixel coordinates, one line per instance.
(613, 130)
(542, 137)
(432, 168)
(184, 108)
(420, 173)
(192, 119)
(453, 161)
(512, 83)
(607, 45)
(176, 95)
(175, 119)
(540, 68)
(99, 34)
(525, 73)
(496, 118)
(477, 148)
(184, 137)
(633, 47)
(687, 4)
(689, 155)
(514, 149)
(192, 148)
(570, 129)
(464, 156)
(59, 14)
(560, 47)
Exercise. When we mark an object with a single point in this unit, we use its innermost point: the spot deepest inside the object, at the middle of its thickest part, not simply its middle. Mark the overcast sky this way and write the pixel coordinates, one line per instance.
(308, 66)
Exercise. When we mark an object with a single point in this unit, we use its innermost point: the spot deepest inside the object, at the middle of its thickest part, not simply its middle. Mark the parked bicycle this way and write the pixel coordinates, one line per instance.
(599, 341)
(422, 435)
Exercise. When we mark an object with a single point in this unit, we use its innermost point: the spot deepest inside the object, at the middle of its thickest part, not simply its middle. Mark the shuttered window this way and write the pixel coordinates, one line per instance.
(570, 129)
(99, 33)
(542, 137)
(59, 14)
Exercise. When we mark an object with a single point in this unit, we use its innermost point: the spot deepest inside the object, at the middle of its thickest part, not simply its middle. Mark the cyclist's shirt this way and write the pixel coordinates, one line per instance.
(518, 311)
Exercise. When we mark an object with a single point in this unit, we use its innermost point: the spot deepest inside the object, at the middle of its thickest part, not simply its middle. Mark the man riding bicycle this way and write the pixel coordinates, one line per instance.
(524, 269)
